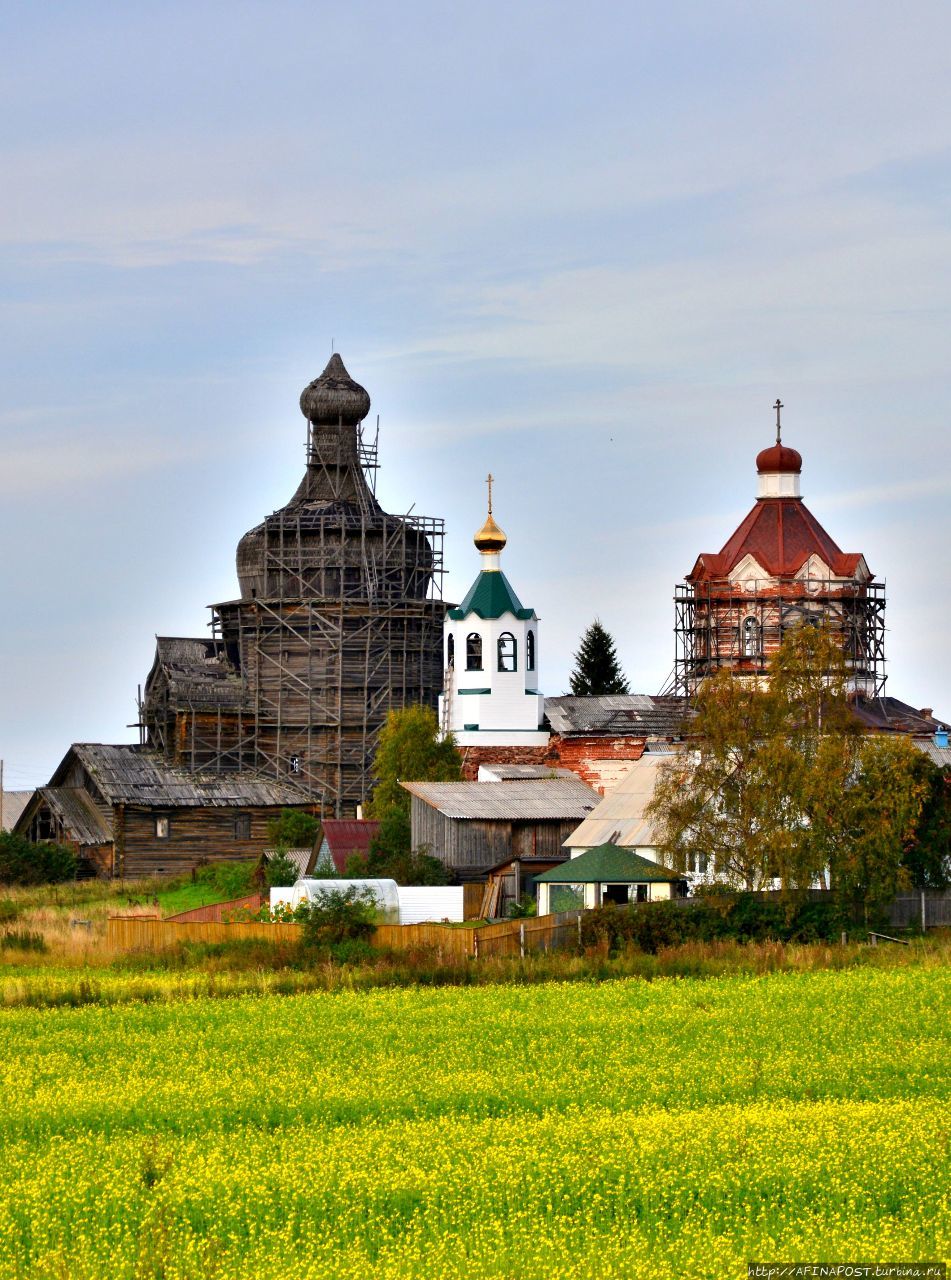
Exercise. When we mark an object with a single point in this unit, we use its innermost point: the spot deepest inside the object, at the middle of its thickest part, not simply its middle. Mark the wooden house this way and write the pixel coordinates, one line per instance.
(128, 812)
(473, 826)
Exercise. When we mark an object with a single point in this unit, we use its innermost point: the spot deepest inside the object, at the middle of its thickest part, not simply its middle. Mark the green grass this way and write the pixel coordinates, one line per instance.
(671, 1128)
(216, 882)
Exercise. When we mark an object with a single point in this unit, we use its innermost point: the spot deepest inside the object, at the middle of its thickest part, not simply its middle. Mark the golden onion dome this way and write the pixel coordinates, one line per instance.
(490, 537)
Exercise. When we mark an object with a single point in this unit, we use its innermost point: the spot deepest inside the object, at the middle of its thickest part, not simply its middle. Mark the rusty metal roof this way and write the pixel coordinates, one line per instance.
(537, 800)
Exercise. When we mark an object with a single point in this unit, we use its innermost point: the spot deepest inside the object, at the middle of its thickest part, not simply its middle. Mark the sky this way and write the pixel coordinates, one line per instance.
(582, 246)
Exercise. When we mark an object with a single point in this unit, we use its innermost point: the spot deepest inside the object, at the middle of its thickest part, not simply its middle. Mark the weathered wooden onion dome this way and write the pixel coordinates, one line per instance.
(333, 538)
(338, 621)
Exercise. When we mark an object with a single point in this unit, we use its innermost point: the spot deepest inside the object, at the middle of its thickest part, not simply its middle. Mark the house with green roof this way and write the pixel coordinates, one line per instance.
(490, 694)
(606, 873)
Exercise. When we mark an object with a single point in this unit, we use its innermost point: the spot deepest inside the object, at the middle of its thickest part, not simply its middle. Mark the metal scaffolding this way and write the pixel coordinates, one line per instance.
(741, 625)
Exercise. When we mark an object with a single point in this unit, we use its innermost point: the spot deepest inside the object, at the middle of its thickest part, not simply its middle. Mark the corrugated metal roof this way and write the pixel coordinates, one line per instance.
(344, 837)
(641, 715)
(299, 858)
(619, 818)
(14, 802)
(539, 799)
(606, 864)
(940, 755)
(130, 774)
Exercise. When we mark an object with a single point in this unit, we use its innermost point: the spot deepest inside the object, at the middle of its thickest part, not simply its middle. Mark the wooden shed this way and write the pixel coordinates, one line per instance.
(473, 826)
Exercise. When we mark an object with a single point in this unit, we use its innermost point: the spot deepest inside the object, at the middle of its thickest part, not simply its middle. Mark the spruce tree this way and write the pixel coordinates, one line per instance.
(597, 669)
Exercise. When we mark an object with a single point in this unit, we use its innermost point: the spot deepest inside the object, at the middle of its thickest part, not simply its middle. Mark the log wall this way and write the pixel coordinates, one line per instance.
(196, 835)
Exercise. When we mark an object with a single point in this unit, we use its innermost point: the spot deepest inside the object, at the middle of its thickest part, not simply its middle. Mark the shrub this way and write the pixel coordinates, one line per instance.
(294, 830)
(742, 917)
(22, 862)
(279, 872)
(338, 915)
(229, 879)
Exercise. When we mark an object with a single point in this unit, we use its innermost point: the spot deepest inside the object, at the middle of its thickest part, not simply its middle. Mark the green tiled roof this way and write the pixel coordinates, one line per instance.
(606, 863)
(490, 596)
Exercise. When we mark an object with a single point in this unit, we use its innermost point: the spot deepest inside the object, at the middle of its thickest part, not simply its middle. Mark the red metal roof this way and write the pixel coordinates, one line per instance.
(346, 836)
(780, 534)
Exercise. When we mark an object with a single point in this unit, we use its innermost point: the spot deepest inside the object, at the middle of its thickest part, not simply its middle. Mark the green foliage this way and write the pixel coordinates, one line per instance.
(293, 829)
(229, 879)
(410, 749)
(780, 784)
(390, 855)
(525, 906)
(742, 917)
(927, 856)
(9, 911)
(338, 915)
(23, 940)
(597, 669)
(279, 871)
(22, 862)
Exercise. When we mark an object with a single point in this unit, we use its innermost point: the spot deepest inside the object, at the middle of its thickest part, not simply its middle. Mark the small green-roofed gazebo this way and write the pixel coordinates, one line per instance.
(608, 873)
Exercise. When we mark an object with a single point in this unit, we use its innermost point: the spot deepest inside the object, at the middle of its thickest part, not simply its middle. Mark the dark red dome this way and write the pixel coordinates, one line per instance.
(779, 457)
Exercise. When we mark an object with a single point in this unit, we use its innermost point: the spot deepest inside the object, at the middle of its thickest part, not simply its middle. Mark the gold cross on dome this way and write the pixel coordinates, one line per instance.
(489, 478)
(778, 406)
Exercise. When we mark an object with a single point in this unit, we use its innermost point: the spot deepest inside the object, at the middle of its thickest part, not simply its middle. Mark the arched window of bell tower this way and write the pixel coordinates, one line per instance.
(507, 652)
(473, 651)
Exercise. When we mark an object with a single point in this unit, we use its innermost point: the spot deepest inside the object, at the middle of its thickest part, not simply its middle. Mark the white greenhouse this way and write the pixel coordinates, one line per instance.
(394, 904)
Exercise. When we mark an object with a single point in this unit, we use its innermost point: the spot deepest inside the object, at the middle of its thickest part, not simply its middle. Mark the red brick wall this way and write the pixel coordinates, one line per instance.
(599, 761)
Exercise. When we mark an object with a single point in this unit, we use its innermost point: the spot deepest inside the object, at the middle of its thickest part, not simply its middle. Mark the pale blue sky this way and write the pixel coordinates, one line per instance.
(582, 246)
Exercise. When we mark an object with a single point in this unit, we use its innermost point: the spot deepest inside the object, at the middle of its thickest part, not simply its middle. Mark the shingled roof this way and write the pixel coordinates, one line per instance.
(77, 811)
(642, 715)
(196, 671)
(129, 774)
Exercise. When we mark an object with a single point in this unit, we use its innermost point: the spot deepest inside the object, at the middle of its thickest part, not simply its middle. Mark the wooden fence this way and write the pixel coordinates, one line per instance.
(910, 911)
(509, 938)
(149, 933)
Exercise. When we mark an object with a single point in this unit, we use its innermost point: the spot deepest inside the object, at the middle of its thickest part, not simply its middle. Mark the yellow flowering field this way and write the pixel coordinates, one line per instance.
(674, 1128)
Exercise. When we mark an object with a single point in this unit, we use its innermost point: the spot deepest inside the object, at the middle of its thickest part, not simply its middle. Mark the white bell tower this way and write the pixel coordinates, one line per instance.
(490, 696)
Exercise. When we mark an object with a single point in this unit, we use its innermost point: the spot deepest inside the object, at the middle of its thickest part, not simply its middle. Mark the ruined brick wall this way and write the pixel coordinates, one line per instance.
(601, 762)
